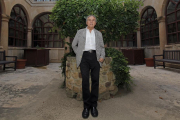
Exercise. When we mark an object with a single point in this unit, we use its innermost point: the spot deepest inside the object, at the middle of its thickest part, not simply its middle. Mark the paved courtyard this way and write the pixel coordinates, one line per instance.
(35, 93)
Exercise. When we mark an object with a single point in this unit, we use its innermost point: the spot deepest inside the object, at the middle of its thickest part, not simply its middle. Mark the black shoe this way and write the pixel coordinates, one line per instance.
(94, 111)
(85, 113)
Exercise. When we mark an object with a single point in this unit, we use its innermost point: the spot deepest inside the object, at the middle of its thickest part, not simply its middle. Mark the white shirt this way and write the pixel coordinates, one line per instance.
(90, 40)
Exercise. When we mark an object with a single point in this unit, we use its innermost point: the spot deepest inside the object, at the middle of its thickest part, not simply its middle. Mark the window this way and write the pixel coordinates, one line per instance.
(17, 28)
(43, 36)
(149, 28)
(129, 40)
(173, 21)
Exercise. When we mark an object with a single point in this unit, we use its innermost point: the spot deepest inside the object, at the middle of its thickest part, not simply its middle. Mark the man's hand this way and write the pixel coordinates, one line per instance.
(101, 60)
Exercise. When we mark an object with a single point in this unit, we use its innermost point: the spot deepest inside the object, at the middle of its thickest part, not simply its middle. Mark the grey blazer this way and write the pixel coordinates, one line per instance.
(79, 41)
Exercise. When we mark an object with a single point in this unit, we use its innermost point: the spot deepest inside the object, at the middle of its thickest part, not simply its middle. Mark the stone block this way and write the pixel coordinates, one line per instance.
(75, 75)
(78, 82)
(79, 97)
(114, 91)
(80, 89)
(110, 76)
(80, 76)
(104, 96)
(102, 89)
(108, 84)
(69, 86)
(68, 74)
(103, 79)
(68, 59)
(106, 68)
(79, 70)
(75, 89)
(107, 60)
(70, 80)
(69, 93)
(104, 73)
(74, 67)
(112, 87)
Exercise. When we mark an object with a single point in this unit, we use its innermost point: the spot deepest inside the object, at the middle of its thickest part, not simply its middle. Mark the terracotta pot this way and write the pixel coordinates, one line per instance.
(21, 63)
(149, 62)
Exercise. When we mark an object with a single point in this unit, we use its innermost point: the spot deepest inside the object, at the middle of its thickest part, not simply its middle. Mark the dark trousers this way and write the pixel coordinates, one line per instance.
(89, 62)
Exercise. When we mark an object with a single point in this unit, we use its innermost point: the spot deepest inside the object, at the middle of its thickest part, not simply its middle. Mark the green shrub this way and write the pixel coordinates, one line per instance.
(119, 68)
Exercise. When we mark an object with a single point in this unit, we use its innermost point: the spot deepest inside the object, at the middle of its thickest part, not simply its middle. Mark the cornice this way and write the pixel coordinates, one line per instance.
(41, 4)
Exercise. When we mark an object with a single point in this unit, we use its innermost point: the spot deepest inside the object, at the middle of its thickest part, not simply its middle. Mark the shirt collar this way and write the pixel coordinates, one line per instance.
(88, 29)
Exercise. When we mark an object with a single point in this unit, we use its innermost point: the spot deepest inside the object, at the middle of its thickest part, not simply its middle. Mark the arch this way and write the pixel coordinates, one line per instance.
(43, 35)
(144, 9)
(25, 11)
(18, 27)
(38, 15)
(164, 6)
(149, 27)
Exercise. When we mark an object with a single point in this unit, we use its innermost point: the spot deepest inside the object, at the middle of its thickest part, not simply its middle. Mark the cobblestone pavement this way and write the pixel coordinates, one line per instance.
(34, 93)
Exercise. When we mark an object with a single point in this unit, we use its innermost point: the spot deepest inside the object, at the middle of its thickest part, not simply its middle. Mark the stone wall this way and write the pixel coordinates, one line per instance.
(74, 80)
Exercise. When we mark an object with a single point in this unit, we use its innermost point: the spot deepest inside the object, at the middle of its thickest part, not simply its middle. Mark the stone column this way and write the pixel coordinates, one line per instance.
(29, 37)
(138, 38)
(4, 32)
(162, 33)
(67, 46)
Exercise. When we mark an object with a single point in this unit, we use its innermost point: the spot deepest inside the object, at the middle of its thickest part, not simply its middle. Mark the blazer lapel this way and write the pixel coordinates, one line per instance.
(84, 33)
(84, 36)
(96, 36)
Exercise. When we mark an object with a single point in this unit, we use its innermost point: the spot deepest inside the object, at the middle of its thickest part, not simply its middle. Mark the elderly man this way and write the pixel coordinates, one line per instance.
(88, 46)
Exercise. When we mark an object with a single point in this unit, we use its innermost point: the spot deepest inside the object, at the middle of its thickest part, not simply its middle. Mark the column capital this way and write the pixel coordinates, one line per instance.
(138, 29)
(161, 19)
(29, 29)
(5, 17)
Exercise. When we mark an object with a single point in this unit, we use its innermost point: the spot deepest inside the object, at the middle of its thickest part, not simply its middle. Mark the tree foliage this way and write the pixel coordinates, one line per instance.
(114, 17)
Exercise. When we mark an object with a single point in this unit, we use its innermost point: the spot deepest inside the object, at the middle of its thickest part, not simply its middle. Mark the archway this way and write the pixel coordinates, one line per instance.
(149, 28)
(18, 27)
(43, 35)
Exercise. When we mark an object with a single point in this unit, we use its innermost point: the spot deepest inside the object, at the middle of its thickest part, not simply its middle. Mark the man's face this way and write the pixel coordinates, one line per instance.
(91, 22)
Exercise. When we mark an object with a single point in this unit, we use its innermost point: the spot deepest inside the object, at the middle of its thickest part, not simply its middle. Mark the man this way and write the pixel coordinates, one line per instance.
(88, 46)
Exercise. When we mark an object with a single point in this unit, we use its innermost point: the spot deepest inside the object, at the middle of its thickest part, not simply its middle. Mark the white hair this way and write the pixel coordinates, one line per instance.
(90, 16)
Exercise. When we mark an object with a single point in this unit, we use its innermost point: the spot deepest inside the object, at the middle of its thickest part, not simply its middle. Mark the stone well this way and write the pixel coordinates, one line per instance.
(74, 80)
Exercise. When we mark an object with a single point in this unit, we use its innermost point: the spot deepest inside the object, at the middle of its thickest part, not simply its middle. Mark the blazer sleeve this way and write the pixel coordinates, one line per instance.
(75, 42)
(102, 47)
